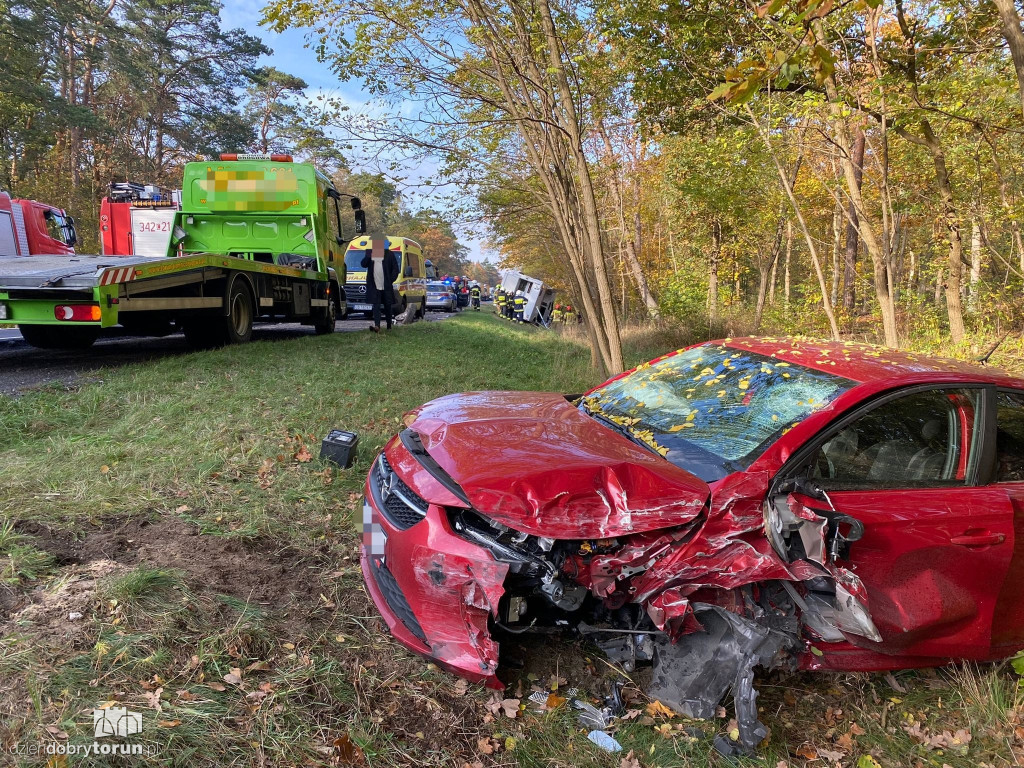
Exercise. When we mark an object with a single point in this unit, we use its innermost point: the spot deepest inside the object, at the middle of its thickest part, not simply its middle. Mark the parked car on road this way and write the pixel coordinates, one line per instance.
(741, 503)
(440, 297)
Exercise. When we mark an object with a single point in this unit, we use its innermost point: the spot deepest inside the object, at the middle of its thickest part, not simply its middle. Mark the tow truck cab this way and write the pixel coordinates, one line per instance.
(28, 227)
(411, 285)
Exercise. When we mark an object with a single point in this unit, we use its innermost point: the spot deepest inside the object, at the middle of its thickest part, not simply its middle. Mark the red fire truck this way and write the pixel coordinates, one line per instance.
(137, 219)
(28, 228)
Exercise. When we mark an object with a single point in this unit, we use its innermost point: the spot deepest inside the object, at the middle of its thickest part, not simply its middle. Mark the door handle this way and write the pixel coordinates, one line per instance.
(979, 539)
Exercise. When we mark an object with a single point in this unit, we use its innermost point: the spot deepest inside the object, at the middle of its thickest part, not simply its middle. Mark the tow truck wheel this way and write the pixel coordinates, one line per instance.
(59, 337)
(326, 325)
(238, 323)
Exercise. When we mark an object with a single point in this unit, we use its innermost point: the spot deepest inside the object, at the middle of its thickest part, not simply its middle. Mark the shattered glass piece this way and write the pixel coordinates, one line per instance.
(604, 741)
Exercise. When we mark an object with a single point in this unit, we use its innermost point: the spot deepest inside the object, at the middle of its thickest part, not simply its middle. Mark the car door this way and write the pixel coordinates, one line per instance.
(1008, 625)
(936, 544)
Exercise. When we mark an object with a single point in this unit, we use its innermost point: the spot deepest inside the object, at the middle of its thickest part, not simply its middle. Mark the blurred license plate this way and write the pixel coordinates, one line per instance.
(363, 307)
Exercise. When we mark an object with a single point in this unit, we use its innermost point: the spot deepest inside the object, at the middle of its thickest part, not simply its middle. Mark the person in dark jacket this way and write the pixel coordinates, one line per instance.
(381, 273)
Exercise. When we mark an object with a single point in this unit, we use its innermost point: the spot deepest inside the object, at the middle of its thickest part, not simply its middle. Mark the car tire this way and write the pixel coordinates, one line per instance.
(59, 337)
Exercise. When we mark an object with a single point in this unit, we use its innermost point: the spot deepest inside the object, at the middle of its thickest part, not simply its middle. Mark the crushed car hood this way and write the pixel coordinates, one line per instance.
(534, 462)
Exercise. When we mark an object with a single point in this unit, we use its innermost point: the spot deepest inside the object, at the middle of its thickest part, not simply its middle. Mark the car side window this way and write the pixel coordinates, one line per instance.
(1010, 437)
(919, 440)
(54, 225)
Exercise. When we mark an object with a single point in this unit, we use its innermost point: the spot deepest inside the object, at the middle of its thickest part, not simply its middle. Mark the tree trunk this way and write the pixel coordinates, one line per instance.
(972, 299)
(1004, 198)
(713, 262)
(789, 257)
(591, 220)
(852, 237)
(812, 250)
(1014, 40)
(837, 226)
(954, 308)
(864, 228)
(631, 245)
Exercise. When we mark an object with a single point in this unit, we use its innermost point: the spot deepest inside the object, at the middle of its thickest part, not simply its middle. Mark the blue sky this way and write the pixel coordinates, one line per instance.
(291, 55)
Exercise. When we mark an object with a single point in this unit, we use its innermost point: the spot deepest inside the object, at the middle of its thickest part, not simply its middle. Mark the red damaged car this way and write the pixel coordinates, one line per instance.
(743, 503)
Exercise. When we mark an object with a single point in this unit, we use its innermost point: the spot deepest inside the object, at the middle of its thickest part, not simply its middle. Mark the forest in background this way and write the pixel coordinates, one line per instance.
(841, 169)
(97, 91)
(845, 169)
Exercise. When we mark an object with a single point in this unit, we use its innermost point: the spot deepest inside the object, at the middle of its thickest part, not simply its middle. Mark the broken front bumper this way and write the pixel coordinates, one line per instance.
(435, 590)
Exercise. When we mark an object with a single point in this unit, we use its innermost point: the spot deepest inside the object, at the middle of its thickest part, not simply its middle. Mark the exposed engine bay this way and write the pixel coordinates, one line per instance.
(704, 640)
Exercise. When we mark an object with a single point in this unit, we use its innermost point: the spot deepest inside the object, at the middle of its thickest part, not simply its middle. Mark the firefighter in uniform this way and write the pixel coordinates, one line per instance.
(474, 295)
(520, 306)
(499, 301)
(569, 316)
(556, 314)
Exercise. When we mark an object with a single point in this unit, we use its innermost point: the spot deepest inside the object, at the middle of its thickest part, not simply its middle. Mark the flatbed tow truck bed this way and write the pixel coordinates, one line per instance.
(118, 284)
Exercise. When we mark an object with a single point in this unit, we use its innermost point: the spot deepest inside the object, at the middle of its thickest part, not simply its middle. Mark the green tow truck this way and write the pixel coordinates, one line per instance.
(258, 238)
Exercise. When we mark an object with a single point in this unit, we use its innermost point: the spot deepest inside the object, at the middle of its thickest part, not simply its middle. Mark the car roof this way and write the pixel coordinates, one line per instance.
(867, 363)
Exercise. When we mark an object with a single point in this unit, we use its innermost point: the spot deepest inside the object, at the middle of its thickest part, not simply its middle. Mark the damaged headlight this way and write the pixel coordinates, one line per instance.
(526, 555)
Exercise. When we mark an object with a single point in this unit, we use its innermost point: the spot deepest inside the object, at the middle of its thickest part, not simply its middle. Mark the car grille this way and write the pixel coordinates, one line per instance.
(355, 293)
(402, 506)
(388, 586)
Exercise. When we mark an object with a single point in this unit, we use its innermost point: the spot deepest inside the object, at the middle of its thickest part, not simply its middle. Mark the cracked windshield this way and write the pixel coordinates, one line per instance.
(712, 409)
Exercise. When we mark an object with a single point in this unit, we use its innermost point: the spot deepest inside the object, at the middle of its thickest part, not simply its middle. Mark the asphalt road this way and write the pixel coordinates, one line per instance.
(25, 367)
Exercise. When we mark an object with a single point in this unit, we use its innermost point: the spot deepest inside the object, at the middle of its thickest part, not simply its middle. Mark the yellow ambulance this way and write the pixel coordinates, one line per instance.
(411, 286)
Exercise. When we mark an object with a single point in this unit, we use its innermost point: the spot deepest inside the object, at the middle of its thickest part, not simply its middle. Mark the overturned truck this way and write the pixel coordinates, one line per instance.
(750, 503)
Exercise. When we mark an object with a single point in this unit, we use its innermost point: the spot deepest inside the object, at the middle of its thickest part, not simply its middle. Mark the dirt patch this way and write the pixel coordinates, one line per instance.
(60, 615)
(265, 573)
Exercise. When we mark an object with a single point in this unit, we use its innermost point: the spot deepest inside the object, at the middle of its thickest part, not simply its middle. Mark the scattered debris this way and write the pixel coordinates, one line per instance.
(604, 741)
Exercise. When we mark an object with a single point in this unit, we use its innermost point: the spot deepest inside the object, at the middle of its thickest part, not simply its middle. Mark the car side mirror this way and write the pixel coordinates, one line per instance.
(360, 217)
(71, 232)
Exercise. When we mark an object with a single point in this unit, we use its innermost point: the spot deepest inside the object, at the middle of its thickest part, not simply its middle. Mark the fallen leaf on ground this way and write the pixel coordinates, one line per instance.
(554, 702)
(232, 679)
(629, 761)
(216, 686)
(347, 752)
(657, 709)
(168, 723)
(807, 752)
(303, 455)
(510, 707)
(153, 697)
(484, 746)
